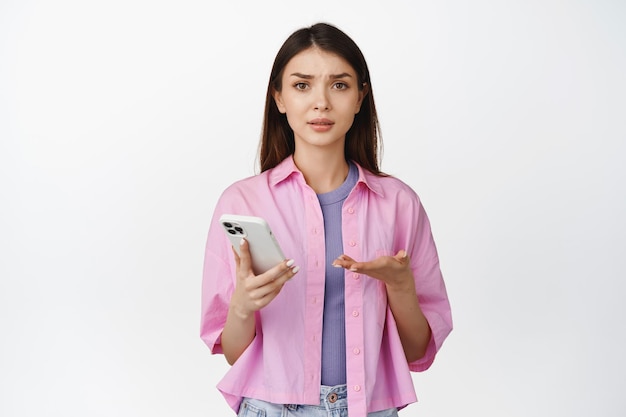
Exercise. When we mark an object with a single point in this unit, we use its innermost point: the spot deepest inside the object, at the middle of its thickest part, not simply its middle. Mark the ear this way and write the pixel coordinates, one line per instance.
(278, 99)
(362, 94)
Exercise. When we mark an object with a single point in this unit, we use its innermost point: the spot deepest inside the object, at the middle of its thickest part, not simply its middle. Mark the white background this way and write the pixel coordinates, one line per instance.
(122, 121)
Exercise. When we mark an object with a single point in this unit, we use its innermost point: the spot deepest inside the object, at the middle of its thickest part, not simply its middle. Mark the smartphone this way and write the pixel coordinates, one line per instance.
(264, 248)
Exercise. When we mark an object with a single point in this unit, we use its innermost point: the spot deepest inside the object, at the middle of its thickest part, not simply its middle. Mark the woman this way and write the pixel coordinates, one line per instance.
(337, 327)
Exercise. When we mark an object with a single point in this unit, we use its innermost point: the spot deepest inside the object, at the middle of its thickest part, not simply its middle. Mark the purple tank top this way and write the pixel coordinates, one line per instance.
(334, 330)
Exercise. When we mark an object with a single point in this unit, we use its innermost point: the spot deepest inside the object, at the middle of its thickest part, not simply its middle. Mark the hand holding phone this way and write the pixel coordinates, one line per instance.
(264, 249)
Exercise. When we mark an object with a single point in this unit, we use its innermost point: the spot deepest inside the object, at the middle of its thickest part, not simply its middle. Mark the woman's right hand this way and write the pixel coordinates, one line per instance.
(253, 292)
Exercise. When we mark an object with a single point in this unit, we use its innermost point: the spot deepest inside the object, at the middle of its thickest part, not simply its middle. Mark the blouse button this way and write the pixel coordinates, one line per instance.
(357, 388)
(352, 243)
(356, 276)
(355, 313)
(356, 351)
(351, 210)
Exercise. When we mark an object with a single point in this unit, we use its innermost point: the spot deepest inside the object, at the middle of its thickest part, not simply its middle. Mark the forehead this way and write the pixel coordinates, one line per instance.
(316, 61)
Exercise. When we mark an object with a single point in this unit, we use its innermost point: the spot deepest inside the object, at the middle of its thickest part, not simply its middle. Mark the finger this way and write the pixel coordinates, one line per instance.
(276, 285)
(286, 269)
(374, 266)
(345, 257)
(245, 260)
(343, 261)
(402, 255)
(267, 298)
(402, 258)
(361, 266)
(281, 272)
(273, 280)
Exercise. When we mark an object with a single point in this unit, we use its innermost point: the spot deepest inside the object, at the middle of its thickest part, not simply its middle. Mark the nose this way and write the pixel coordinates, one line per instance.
(321, 101)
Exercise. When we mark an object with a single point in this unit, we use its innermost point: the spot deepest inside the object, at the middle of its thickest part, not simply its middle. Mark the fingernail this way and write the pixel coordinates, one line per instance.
(296, 269)
(336, 265)
(353, 269)
(241, 242)
(290, 262)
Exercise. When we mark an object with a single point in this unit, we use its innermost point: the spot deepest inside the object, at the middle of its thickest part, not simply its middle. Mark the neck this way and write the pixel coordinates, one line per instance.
(323, 171)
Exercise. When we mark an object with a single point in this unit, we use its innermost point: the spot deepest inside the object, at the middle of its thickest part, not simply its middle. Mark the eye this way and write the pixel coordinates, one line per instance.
(300, 86)
(340, 86)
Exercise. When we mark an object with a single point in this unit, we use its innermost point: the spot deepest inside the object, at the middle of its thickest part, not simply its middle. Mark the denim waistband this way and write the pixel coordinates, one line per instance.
(331, 397)
(341, 391)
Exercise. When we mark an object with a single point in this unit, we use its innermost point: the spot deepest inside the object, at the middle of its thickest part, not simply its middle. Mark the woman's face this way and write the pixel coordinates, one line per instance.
(320, 96)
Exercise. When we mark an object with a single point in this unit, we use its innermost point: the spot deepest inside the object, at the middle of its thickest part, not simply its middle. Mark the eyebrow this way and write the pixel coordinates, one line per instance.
(332, 76)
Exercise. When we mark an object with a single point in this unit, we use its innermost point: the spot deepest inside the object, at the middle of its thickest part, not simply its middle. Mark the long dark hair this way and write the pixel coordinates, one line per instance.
(363, 139)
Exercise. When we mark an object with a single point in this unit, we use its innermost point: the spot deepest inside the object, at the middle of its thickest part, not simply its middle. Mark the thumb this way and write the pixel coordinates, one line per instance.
(401, 256)
(245, 260)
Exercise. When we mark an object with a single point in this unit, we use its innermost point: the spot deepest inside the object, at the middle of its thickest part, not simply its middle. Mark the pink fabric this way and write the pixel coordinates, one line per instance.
(282, 365)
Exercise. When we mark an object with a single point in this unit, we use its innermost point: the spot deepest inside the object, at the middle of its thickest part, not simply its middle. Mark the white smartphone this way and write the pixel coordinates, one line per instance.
(264, 248)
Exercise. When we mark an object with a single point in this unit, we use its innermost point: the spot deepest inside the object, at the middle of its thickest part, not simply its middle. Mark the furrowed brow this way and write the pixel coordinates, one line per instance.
(332, 76)
(300, 75)
(338, 76)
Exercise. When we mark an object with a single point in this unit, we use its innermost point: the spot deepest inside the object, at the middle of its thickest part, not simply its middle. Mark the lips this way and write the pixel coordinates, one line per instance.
(321, 125)
(321, 122)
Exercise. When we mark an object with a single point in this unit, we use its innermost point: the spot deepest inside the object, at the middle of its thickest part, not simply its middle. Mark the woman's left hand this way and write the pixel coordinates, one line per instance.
(394, 271)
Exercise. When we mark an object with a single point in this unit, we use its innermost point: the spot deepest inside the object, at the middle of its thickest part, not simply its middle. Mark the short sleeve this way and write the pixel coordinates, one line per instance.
(430, 286)
(218, 284)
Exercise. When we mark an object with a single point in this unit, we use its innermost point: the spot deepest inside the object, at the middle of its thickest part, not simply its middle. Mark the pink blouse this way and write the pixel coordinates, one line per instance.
(282, 364)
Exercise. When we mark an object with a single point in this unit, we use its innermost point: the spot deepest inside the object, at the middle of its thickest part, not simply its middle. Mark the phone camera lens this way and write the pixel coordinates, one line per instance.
(226, 224)
(239, 229)
(232, 232)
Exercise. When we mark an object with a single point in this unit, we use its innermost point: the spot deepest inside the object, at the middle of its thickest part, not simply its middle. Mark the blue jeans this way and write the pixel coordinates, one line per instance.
(333, 403)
